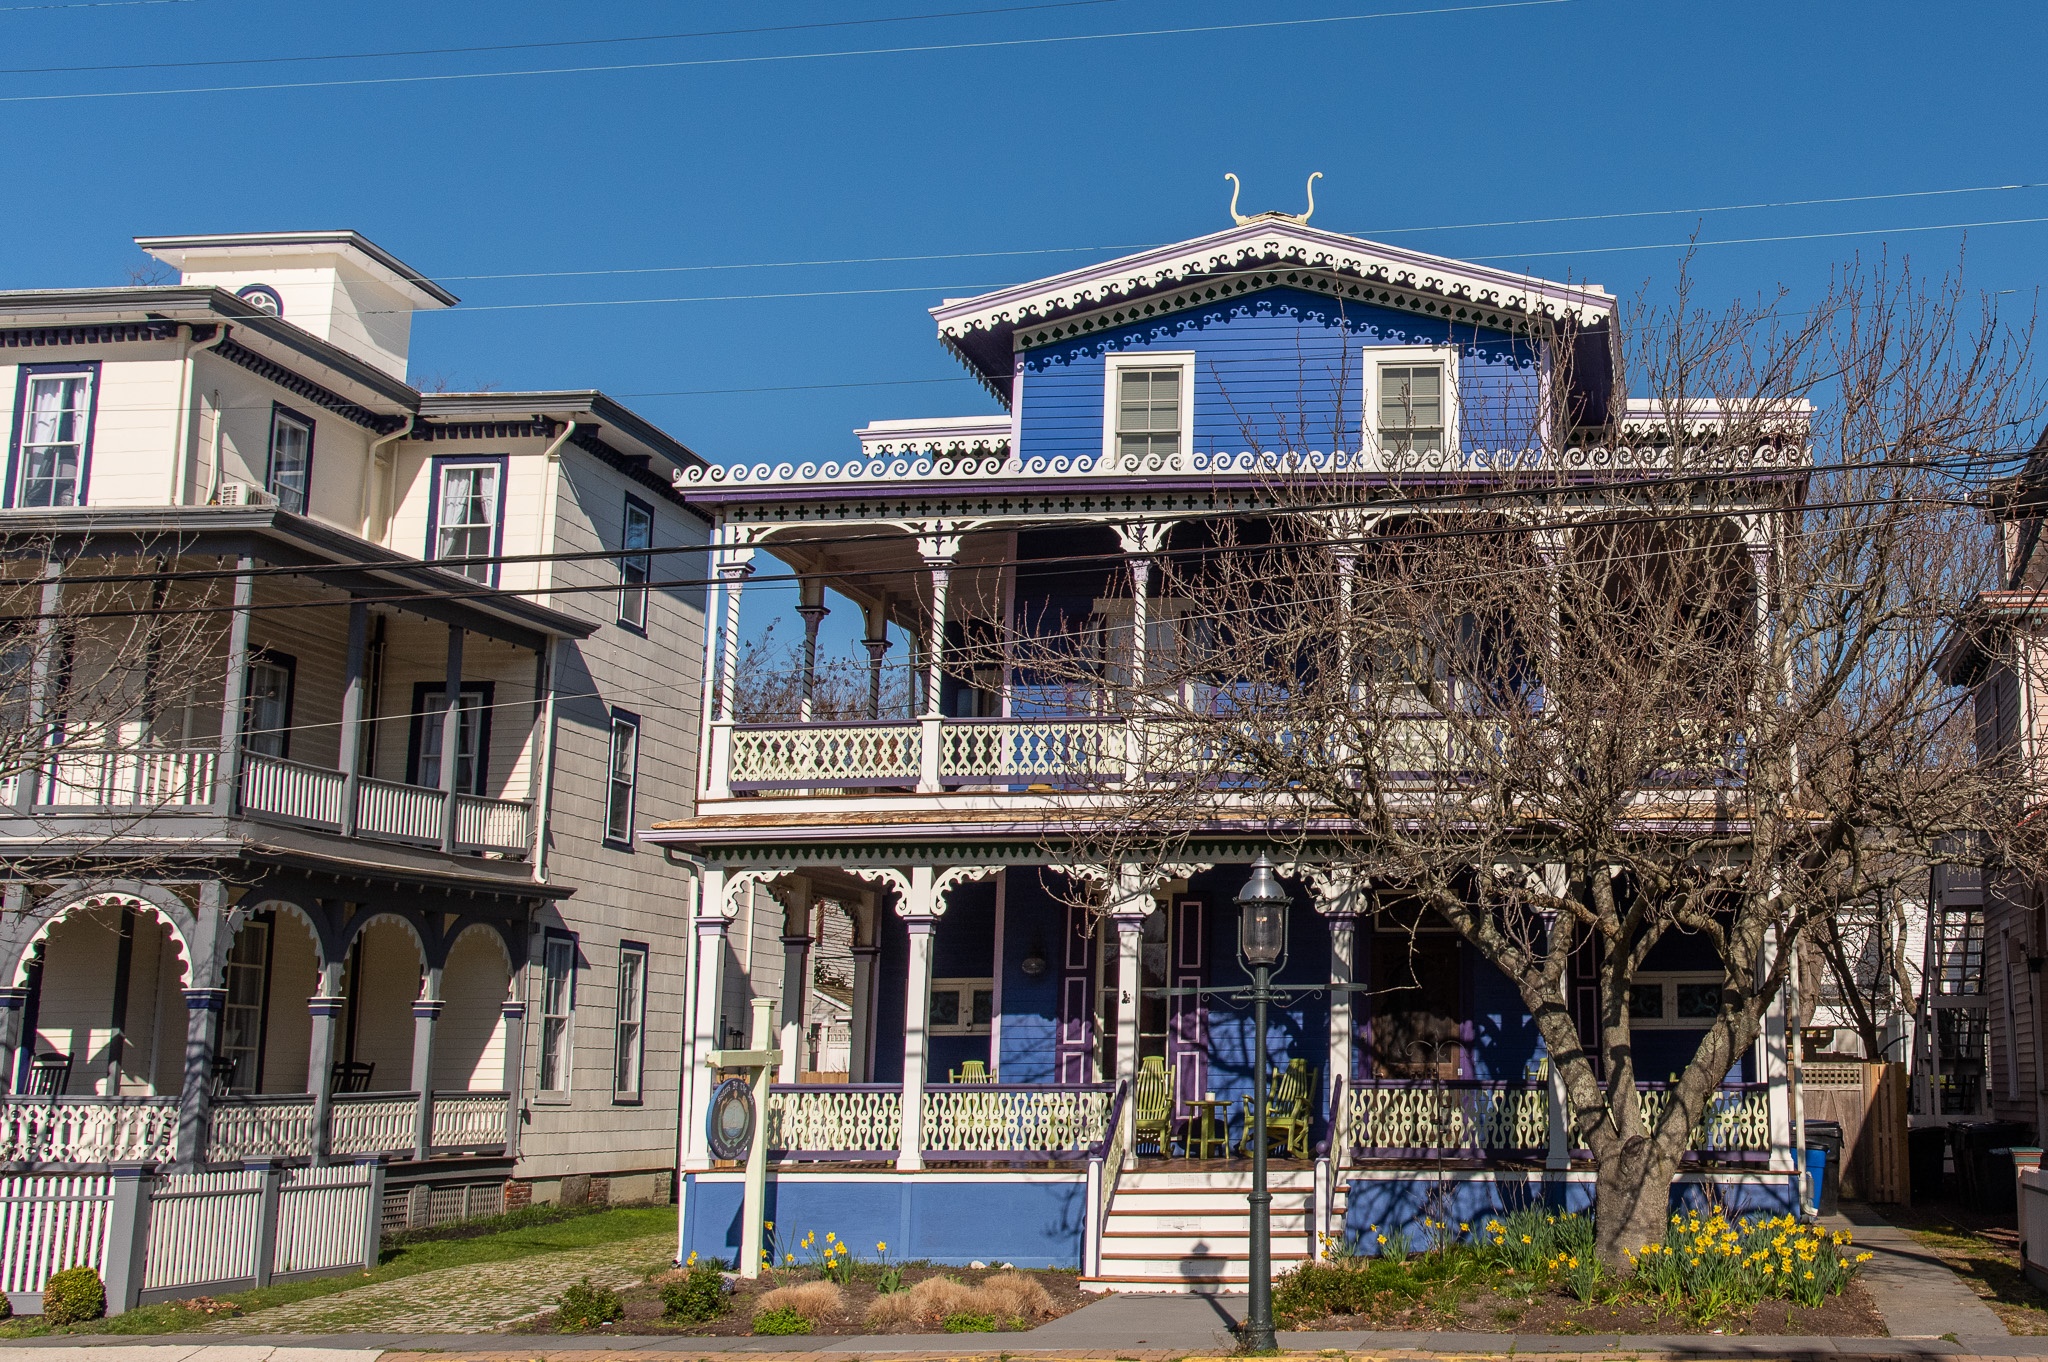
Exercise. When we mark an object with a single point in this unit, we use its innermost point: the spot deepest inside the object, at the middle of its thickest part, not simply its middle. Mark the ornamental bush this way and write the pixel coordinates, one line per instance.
(74, 1296)
(781, 1320)
(692, 1296)
(584, 1306)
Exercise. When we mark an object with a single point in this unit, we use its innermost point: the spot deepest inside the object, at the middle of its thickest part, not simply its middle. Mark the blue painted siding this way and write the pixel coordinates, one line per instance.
(1295, 1030)
(1004, 1220)
(1382, 1205)
(963, 947)
(1273, 370)
(1504, 1039)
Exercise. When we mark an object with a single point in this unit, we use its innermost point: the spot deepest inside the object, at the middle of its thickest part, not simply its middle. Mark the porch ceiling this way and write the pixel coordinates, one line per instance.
(866, 564)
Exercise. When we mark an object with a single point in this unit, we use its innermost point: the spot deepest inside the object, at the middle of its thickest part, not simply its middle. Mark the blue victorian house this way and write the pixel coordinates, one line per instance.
(1034, 1073)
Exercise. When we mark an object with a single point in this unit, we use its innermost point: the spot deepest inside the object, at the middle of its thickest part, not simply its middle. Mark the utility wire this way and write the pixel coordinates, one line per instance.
(916, 49)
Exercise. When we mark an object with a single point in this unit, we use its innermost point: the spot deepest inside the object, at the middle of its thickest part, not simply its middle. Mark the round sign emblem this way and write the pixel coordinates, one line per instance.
(731, 1120)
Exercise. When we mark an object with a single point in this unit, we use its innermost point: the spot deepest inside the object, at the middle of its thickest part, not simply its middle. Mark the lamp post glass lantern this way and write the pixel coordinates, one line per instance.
(1261, 944)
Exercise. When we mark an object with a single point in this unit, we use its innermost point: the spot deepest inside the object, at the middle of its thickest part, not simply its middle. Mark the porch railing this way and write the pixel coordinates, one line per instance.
(80, 778)
(973, 750)
(840, 755)
(998, 1120)
(835, 1121)
(315, 796)
(1472, 1118)
(373, 1123)
(279, 1126)
(470, 1120)
(88, 1129)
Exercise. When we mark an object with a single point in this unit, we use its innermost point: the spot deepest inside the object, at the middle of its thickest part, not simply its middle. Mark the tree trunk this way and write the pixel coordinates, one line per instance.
(1631, 1200)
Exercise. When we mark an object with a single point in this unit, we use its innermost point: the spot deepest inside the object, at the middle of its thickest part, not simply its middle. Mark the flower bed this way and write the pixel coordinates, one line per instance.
(1534, 1271)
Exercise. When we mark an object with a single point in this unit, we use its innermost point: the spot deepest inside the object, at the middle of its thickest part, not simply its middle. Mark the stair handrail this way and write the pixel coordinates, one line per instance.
(1103, 1174)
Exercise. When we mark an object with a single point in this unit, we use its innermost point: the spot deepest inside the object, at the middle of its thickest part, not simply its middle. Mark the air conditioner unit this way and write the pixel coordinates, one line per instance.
(244, 494)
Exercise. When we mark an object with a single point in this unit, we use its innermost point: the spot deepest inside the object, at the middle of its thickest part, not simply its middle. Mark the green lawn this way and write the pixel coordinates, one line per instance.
(403, 1260)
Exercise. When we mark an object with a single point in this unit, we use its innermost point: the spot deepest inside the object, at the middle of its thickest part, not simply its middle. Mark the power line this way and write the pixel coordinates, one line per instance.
(90, 4)
(520, 47)
(917, 49)
(1755, 240)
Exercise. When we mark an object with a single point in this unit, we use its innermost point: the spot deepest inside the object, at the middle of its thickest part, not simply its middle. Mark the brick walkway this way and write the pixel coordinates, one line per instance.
(459, 1300)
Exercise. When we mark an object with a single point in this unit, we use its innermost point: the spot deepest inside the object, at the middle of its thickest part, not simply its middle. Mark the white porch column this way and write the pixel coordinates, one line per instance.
(920, 915)
(735, 566)
(1141, 616)
(1343, 973)
(352, 696)
(796, 952)
(426, 1021)
(326, 1008)
(451, 739)
(938, 551)
(811, 607)
(706, 991)
(1775, 1065)
(513, 1012)
(235, 693)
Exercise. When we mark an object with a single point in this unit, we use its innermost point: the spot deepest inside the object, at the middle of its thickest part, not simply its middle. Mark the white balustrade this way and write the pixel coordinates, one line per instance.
(1737, 1119)
(1033, 749)
(88, 1129)
(251, 1127)
(470, 1120)
(492, 824)
(410, 813)
(994, 1118)
(836, 1119)
(842, 754)
(373, 1123)
(292, 789)
(77, 777)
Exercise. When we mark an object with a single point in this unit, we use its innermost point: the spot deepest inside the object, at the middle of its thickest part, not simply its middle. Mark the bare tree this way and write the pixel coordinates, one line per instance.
(1580, 690)
(1866, 969)
(110, 692)
(770, 684)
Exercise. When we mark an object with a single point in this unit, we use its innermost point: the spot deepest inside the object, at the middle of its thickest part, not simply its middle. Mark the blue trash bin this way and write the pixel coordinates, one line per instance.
(1816, 1176)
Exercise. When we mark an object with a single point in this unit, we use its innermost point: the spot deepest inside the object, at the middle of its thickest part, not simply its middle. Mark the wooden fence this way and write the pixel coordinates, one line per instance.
(1870, 1102)
(155, 1237)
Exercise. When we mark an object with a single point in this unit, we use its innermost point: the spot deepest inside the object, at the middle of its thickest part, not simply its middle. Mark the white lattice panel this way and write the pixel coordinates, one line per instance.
(969, 1118)
(835, 1120)
(825, 754)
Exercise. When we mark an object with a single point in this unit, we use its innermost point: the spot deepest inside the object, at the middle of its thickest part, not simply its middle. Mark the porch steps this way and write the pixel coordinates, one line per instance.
(1189, 1232)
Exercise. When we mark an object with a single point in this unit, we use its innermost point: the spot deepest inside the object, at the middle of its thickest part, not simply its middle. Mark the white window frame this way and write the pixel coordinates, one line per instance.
(616, 788)
(629, 1025)
(1669, 980)
(563, 1062)
(1113, 368)
(633, 594)
(485, 574)
(964, 990)
(1375, 356)
(282, 419)
(82, 441)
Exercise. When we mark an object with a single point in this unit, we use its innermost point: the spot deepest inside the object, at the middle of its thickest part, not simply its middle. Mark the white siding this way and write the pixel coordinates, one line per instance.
(469, 1041)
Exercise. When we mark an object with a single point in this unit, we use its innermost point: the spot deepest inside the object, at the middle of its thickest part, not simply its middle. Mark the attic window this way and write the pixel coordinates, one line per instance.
(263, 298)
(1411, 398)
(1148, 407)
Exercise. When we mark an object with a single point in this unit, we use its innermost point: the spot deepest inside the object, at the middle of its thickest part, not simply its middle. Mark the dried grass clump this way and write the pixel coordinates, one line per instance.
(813, 1300)
(1005, 1295)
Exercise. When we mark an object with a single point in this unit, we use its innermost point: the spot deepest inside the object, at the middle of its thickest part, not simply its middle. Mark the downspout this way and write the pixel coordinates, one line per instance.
(181, 467)
(377, 445)
(544, 761)
(694, 866)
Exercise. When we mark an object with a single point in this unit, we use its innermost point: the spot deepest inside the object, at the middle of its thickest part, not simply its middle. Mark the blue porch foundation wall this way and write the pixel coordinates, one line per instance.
(1030, 1221)
(1380, 1205)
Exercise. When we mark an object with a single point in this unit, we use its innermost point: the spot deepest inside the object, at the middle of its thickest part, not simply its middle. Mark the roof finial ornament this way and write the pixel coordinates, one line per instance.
(1301, 218)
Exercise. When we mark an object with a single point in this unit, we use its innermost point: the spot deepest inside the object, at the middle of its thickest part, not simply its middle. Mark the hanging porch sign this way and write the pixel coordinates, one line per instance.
(730, 1123)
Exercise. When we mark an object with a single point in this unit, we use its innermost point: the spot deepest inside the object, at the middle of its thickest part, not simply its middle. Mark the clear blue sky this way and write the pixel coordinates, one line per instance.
(1474, 114)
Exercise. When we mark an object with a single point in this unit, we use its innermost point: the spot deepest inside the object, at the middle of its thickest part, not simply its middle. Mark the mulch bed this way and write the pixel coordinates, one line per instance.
(644, 1314)
(1555, 1311)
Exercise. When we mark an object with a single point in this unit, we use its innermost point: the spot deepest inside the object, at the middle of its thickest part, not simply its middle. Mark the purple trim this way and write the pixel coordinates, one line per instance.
(438, 465)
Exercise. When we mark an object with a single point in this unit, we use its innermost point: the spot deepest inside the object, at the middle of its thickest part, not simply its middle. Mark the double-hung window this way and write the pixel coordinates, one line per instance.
(635, 568)
(631, 1022)
(472, 735)
(246, 974)
(267, 728)
(622, 775)
(53, 435)
(468, 514)
(290, 478)
(1411, 398)
(1147, 408)
(557, 1010)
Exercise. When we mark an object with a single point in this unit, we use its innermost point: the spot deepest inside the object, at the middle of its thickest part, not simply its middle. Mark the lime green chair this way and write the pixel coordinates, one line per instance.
(1152, 1101)
(1289, 1111)
(970, 1071)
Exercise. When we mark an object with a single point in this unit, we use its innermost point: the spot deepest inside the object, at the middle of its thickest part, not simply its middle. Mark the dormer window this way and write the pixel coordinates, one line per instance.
(1411, 399)
(263, 298)
(1148, 411)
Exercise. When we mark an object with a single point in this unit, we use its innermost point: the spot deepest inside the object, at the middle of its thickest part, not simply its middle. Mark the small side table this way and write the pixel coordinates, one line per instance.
(1207, 1139)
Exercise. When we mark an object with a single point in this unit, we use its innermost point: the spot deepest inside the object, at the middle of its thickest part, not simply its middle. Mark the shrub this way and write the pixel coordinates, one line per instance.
(965, 1323)
(782, 1321)
(812, 1300)
(692, 1295)
(584, 1306)
(1016, 1295)
(73, 1296)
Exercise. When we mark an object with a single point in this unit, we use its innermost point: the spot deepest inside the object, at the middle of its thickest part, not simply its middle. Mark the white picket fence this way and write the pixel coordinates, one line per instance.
(163, 1236)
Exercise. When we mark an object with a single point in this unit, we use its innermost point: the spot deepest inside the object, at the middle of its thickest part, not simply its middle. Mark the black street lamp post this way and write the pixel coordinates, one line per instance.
(1261, 942)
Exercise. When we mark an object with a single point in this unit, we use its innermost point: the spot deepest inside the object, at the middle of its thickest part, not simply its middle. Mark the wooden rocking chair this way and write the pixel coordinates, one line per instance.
(1288, 1111)
(1152, 1102)
(970, 1071)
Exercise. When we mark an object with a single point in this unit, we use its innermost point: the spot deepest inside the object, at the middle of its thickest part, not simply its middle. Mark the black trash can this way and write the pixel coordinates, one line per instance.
(1926, 1157)
(1985, 1179)
(1827, 1137)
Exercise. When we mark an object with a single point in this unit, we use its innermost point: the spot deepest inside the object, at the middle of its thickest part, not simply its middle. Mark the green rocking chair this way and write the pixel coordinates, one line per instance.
(970, 1071)
(1152, 1103)
(1289, 1112)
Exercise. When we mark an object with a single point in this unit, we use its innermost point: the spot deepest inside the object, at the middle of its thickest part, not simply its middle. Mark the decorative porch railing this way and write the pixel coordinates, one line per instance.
(373, 1123)
(973, 750)
(253, 1127)
(1470, 1118)
(316, 796)
(835, 1121)
(77, 777)
(88, 1129)
(470, 1120)
(983, 1120)
(837, 755)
